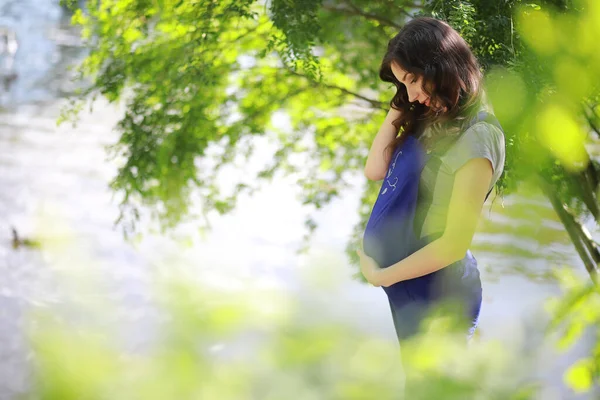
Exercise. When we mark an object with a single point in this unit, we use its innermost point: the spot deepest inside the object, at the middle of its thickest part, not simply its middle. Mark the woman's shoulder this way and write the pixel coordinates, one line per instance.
(481, 139)
(487, 131)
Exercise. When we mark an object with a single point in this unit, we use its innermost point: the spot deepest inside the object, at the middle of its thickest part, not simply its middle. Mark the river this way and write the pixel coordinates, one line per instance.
(54, 188)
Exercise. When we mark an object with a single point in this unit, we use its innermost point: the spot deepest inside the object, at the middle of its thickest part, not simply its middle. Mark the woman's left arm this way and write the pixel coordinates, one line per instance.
(470, 187)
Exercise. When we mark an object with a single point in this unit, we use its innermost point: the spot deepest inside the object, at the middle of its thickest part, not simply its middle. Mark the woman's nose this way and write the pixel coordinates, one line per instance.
(412, 96)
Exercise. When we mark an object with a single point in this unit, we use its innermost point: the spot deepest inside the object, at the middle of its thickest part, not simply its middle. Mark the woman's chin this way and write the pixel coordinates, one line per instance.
(435, 109)
(439, 109)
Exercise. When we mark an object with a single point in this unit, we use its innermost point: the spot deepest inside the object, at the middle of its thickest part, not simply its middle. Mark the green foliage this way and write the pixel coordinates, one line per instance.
(193, 357)
(177, 66)
(257, 343)
(299, 29)
(576, 311)
(204, 74)
(486, 25)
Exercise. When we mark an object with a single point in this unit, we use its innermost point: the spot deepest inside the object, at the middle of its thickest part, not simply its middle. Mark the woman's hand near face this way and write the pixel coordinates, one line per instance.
(378, 159)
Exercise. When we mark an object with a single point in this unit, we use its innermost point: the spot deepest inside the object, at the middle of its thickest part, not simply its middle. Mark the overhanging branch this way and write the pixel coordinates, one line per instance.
(355, 11)
(374, 103)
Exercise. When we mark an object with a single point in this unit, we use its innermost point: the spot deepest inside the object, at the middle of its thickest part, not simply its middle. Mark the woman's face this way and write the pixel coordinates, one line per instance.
(414, 85)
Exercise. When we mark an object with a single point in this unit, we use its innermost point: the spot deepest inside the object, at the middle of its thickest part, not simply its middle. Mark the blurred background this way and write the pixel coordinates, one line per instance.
(64, 257)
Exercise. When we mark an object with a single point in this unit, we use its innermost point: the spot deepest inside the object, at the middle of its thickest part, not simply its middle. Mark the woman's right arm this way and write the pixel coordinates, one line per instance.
(378, 159)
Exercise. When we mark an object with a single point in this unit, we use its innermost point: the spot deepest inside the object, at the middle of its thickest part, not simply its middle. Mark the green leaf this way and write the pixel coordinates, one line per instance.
(579, 376)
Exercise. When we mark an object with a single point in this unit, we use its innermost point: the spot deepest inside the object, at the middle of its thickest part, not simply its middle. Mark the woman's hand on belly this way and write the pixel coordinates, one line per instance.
(369, 268)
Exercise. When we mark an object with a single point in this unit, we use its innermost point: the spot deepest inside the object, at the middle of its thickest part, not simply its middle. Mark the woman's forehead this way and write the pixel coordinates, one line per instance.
(399, 71)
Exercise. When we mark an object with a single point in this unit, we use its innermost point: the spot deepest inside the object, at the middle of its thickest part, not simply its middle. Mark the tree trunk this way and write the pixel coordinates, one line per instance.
(583, 242)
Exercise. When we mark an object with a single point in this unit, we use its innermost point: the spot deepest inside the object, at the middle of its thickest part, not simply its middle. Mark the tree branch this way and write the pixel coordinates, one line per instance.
(585, 246)
(588, 192)
(355, 11)
(591, 121)
(374, 103)
(246, 33)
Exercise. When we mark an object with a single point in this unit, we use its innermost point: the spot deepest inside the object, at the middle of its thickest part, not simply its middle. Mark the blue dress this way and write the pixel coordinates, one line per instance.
(390, 237)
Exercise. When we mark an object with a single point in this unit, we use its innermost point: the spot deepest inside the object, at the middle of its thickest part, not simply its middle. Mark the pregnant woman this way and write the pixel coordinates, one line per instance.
(439, 153)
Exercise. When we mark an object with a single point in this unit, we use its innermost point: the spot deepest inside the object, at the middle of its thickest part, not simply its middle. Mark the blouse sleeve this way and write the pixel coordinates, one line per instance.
(480, 140)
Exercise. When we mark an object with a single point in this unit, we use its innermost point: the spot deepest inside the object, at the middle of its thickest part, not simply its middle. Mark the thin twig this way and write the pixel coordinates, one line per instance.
(358, 12)
(374, 103)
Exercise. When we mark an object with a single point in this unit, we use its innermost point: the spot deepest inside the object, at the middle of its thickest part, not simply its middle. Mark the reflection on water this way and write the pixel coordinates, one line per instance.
(525, 236)
(60, 176)
(46, 44)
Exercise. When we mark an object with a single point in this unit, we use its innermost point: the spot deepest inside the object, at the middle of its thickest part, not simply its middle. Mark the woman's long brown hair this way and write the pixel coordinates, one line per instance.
(432, 49)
